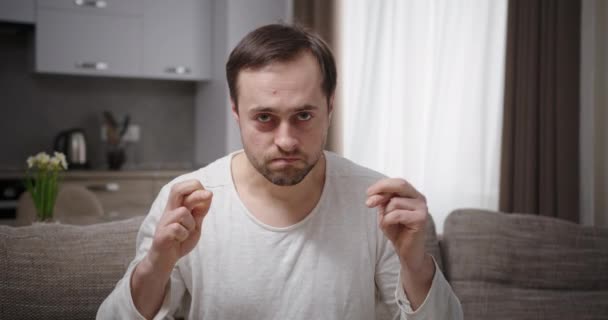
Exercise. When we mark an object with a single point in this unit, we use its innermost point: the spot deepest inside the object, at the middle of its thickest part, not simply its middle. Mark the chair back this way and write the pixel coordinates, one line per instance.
(75, 205)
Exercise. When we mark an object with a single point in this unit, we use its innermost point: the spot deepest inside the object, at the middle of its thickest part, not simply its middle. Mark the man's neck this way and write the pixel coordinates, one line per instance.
(262, 196)
(260, 186)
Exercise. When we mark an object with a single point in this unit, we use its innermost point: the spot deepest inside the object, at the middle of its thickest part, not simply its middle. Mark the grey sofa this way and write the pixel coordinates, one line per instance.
(500, 266)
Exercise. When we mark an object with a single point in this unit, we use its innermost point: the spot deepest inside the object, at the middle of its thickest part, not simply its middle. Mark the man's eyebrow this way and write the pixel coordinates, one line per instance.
(305, 107)
(261, 109)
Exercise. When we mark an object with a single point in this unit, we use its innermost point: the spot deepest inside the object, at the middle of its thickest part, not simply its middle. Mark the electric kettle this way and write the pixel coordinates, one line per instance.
(73, 144)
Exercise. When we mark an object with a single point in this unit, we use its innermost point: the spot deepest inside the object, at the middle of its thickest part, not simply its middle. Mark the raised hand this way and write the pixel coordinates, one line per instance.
(402, 214)
(179, 228)
(177, 233)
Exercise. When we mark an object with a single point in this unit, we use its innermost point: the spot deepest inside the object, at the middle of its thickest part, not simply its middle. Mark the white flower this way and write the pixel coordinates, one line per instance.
(42, 159)
(30, 162)
(55, 163)
(44, 162)
(61, 158)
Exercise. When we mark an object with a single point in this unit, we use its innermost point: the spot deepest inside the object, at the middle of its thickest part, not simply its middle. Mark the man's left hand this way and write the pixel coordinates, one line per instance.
(402, 217)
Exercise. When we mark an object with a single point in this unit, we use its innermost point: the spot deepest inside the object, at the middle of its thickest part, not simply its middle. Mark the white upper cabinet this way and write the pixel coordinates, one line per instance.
(156, 39)
(104, 7)
(87, 44)
(176, 39)
(20, 11)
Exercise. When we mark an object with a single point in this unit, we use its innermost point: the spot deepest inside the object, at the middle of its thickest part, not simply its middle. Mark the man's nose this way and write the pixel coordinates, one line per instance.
(285, 137)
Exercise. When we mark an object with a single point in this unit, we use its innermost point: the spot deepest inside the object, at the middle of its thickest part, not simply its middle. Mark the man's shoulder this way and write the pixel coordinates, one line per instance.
(213, 175)
(345, 169)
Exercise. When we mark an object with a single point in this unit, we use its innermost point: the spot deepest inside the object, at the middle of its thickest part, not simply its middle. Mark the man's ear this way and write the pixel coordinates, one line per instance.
(235, 110)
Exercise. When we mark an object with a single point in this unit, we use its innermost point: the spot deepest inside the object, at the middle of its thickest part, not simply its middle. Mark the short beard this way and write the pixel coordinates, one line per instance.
(285, 178)
(294, 177)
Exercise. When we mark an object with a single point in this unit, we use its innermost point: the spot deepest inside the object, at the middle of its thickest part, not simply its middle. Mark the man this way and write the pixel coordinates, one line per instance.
(283, 229)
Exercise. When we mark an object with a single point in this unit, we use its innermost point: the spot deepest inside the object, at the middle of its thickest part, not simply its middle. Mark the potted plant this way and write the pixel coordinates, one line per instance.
(116, 143)
(42, 182)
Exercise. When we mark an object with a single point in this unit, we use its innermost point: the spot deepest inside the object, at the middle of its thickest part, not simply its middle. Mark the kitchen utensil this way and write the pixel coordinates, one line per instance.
(73, 144)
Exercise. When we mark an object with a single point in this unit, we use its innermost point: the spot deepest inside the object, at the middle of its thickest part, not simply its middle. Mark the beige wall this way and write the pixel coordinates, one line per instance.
(594, 113)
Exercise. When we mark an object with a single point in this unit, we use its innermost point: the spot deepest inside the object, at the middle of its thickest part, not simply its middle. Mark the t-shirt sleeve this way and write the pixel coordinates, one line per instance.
(387, 272)
(440, 302)
(119, 304)
(392, 302)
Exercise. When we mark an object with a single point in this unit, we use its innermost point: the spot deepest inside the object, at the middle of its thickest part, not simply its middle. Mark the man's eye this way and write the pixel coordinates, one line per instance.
(263, 118)
(304, 116)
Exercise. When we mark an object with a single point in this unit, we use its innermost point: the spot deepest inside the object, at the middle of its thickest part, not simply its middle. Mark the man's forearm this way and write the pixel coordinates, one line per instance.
(148, 285)
(417, 283)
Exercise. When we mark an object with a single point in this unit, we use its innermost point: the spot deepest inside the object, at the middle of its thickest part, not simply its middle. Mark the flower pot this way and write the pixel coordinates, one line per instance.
(116, 158)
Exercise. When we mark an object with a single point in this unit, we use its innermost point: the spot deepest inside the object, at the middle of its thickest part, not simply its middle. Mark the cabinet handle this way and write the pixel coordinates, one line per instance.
(92, 65)
(178, 70)
(109, 187)
(91, 3)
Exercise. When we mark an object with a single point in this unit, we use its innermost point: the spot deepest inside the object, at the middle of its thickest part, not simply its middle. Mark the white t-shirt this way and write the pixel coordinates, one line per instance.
(334, 264)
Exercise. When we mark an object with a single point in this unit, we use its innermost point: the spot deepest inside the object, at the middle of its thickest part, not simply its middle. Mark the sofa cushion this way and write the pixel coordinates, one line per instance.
(516, 266)
(56, 271)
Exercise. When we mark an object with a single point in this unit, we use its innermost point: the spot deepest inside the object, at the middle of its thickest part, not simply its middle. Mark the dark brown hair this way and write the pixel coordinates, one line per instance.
(280, 43)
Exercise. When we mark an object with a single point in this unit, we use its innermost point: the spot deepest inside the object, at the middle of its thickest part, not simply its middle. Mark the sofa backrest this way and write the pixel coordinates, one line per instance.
(431, 242)
(516, 266)
(57, 271)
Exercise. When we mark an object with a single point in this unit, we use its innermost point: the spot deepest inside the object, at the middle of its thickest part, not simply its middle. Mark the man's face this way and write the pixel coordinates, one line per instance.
(284, 118)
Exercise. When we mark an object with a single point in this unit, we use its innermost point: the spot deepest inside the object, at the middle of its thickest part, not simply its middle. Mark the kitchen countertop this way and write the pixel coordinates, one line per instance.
(88, 174)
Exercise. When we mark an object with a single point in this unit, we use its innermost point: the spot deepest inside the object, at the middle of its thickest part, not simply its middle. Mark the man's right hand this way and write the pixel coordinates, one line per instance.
(179, 228)
(177, 233)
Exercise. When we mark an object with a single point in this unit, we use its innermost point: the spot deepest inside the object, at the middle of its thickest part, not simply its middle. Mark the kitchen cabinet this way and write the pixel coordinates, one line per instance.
(100, 7)
(176, 39)
(122, 194)
(90, 44)
(19, 11)
(120, 197)
(157, 39)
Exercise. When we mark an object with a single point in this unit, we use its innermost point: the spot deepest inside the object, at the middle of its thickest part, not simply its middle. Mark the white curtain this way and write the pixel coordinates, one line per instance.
(422, 91)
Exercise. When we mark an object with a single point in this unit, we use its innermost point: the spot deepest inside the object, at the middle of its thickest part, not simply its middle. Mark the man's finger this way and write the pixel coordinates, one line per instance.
(178, 232)
(173, 232)
(188, 222)
(396, 203)
(377, 199)
(196, 198)
(180, 190)
(199, 212)
(404, 217)
(395, 186)
(176, 215)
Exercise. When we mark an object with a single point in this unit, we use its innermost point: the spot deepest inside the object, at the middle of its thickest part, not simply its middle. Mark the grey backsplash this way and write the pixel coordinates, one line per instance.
(35, 107)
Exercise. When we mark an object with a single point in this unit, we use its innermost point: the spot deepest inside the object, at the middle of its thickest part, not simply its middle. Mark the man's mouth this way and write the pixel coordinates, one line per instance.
(285, 160)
